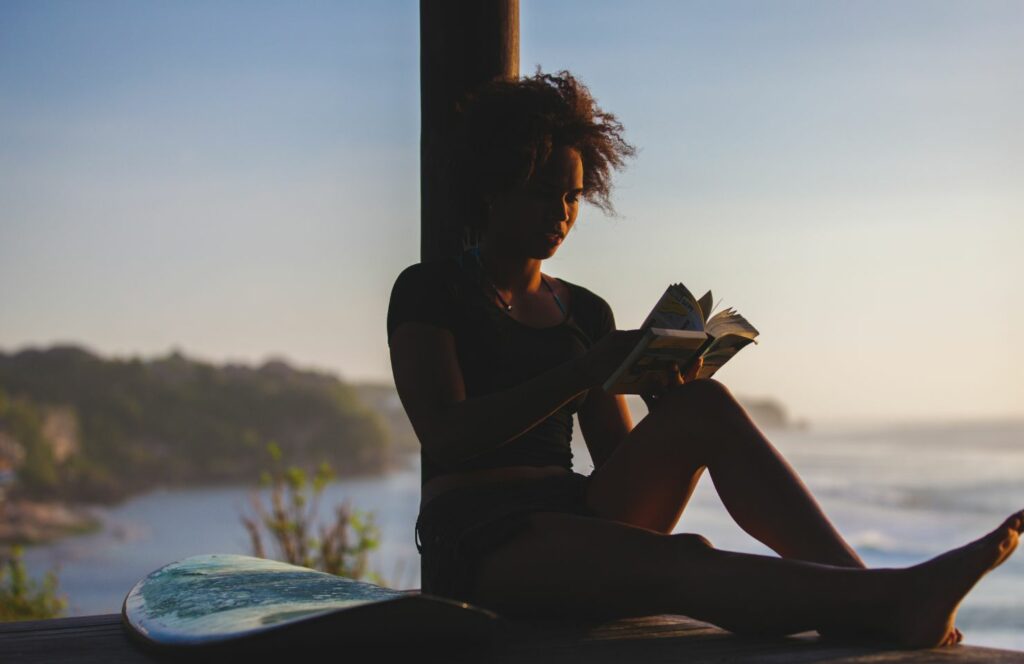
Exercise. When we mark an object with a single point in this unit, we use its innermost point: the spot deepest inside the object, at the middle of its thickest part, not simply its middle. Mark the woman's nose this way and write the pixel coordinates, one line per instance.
(560, 209)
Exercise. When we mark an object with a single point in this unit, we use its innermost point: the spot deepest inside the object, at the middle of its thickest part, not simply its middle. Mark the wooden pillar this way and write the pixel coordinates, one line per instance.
(463, 43)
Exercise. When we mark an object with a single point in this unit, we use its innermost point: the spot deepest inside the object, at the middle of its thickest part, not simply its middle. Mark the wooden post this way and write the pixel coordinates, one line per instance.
(463, 43)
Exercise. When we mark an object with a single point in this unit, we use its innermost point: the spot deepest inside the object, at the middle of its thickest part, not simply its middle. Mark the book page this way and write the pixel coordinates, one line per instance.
(677, 309)
(721, 351)
(705, 303)
(727, 322)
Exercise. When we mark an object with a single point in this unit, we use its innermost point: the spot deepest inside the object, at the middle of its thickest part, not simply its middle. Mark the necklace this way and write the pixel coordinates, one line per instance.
(508, 307)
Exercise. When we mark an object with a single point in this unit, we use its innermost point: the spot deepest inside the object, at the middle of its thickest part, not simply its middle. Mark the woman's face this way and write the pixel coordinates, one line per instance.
(533, 219)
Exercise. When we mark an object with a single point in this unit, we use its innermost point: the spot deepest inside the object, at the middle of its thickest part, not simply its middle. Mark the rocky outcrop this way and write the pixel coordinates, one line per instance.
(766, 413)
(32, 522)
(60, 430)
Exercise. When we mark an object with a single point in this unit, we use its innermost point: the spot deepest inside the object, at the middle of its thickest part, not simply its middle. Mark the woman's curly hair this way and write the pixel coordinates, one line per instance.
(509, 128)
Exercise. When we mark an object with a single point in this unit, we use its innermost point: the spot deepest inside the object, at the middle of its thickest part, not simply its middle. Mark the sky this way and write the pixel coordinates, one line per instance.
(240, 181)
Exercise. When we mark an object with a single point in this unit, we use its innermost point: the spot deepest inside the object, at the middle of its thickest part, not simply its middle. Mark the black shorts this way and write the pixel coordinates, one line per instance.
(456, 529)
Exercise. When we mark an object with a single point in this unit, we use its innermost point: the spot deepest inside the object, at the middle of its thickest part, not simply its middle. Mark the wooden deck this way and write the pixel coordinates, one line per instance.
(650, 640)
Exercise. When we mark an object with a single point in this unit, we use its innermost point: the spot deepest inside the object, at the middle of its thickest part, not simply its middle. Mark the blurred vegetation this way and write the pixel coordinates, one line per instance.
(383, 400)
(340, 547)
(23, 598)
(176, 421)
(23, 421)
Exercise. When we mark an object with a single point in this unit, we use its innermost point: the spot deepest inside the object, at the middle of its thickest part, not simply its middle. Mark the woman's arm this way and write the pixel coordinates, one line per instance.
(452, 428)
(604, 421)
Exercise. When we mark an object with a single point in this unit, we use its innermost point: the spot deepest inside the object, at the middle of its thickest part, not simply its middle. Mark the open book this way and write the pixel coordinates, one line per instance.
(680, 330)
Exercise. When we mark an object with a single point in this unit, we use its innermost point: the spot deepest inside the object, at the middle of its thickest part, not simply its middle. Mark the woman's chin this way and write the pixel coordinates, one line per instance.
(548, 249)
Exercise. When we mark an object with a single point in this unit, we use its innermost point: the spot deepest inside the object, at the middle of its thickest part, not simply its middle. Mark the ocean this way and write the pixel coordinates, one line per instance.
(899, 495)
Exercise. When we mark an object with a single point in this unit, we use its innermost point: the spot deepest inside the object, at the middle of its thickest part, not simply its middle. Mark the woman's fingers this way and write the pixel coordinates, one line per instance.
(691, 373)
(669, 378)
(661, 384)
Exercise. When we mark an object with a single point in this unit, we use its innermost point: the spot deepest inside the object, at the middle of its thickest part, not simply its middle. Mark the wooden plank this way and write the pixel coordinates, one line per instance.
(652, 640)
(658, 639)
(463, 43)
(84, 640)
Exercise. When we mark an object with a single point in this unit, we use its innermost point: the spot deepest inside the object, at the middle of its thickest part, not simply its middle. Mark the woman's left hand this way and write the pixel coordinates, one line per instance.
(670, 379)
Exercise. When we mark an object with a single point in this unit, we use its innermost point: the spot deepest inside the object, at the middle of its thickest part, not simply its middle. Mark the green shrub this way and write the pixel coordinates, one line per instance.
(341, 548)
(23, 598)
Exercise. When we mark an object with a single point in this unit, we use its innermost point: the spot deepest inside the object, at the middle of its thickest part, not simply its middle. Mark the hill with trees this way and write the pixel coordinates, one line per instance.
(78, 427)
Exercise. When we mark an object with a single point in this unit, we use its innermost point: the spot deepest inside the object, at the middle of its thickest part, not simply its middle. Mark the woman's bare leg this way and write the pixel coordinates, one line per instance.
(650, 477)
(573, 565)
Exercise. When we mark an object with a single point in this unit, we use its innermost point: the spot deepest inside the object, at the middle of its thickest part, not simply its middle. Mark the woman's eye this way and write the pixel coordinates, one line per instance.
(571, 198)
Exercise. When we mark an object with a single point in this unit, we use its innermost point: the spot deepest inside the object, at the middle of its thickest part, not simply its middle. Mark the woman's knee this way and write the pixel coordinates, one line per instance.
(692, 543)
(703, 391)
(703, 402)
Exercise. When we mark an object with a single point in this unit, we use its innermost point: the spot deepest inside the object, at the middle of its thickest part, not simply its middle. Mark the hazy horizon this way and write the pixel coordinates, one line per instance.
(241, 181)
(795, 419)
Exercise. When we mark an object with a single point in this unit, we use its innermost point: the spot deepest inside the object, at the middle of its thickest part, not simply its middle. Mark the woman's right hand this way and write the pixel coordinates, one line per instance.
(607, 355)
(669, 380)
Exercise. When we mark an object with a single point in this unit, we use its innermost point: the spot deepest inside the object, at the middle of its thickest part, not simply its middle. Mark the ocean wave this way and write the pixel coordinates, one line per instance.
(878, 542)
(991, 616)
(997, 498)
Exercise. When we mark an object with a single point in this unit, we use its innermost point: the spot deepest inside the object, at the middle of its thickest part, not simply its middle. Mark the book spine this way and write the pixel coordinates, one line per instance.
(698, 354)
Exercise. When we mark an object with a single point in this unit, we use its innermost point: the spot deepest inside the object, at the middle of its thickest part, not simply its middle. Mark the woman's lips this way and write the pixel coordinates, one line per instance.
(553, 238)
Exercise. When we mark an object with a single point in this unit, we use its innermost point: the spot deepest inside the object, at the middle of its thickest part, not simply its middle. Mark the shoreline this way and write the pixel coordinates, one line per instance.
(26, 522)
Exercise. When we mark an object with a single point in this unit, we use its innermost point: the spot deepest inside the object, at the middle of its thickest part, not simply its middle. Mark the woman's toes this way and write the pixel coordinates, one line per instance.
(952, 638)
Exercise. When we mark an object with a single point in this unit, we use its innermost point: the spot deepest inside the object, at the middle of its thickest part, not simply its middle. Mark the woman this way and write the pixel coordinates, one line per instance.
(491, 358)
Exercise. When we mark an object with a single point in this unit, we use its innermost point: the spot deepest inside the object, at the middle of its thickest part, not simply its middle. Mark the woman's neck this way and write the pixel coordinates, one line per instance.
(510, 272)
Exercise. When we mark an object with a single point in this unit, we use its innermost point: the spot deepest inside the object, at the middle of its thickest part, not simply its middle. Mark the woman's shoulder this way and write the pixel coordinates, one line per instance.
(428, 292)
(589, 307)
(584, 296)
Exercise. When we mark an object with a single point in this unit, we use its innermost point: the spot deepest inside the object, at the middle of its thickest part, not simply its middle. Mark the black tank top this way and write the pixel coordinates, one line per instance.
(497, 352)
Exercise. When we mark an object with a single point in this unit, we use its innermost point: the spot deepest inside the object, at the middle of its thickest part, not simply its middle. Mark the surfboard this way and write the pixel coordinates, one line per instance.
(229, 601)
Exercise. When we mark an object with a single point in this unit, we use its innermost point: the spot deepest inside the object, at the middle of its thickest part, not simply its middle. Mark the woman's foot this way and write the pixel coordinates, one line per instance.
(924, 618)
